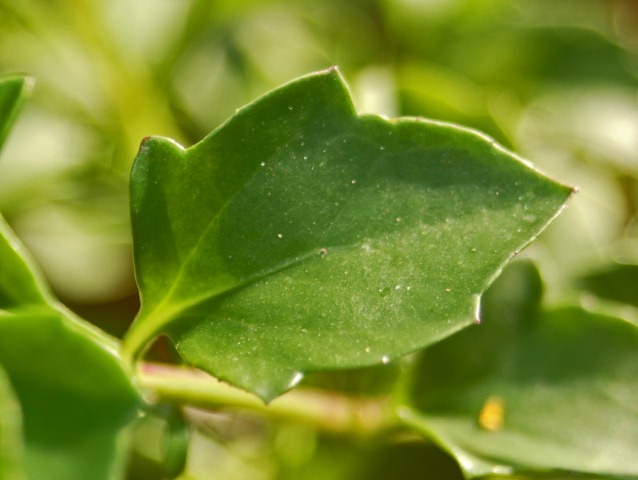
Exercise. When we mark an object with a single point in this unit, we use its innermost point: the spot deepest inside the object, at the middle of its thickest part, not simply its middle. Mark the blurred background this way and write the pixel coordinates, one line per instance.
(557, 82)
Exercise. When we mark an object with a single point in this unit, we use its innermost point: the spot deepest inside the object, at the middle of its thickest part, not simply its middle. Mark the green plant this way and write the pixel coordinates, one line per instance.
(300, 237)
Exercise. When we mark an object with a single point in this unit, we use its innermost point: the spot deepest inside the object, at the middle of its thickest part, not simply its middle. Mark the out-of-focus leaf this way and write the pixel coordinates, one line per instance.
(300, 236)
(11, 447)
(159, 443)
(532, 391)
(437, 92)
(618, 283)
(75, 396)
(568, 56)
(13, 91)
(407, 460)
(342, 459)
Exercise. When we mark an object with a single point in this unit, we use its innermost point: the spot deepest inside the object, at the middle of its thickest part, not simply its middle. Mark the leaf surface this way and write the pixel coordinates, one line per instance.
(73, 391)
(13, 91)
(300, 236)
(533, 391)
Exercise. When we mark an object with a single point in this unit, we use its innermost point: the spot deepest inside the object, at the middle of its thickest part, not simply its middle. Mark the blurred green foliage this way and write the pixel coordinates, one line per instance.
(555, 81)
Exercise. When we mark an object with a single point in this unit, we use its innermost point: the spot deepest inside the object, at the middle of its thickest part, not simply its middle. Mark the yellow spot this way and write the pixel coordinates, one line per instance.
(491, 415)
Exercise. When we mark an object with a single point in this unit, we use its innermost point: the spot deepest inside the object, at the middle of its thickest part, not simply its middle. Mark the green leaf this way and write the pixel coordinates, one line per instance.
(532, 390)
(11, 447)
(13, 91)
(75, 395)
(300, 236)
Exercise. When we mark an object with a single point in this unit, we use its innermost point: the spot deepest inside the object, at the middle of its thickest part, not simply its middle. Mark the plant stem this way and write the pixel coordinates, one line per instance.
(331, 412)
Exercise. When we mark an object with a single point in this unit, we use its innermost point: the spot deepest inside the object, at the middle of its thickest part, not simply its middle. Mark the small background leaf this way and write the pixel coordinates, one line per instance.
(531, 390)
(13, 91)
(299, 236)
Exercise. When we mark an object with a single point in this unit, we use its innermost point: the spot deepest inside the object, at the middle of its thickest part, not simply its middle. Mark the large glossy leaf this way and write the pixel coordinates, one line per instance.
(13, 90)
(549, 392)
(74, 394)
(300, 236)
